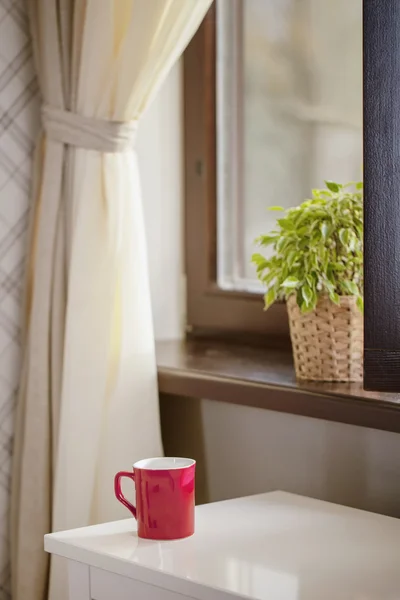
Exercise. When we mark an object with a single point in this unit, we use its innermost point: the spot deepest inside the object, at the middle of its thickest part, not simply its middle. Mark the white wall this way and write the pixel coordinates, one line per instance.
(249, 450)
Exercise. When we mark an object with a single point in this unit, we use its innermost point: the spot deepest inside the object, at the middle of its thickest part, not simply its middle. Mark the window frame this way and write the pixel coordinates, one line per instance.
(381, 55)
(210, 309)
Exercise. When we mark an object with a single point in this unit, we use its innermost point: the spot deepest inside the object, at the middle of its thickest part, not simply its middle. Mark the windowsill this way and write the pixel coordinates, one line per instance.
(265, 378)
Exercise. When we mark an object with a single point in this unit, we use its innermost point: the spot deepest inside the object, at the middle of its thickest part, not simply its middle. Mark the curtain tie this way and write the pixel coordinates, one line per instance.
(88, 132)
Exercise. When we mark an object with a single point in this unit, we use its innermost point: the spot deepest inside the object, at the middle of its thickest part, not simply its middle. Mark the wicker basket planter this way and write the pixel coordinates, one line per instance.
(327, 342)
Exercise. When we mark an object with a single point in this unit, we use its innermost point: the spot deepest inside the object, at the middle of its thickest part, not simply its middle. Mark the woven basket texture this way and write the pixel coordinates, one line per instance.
(327, 342)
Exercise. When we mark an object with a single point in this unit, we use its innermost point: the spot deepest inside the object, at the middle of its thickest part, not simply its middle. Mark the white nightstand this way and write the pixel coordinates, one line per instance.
(275, 546)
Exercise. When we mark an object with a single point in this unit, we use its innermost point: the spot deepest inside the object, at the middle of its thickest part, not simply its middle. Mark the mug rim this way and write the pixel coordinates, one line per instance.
(140, 463)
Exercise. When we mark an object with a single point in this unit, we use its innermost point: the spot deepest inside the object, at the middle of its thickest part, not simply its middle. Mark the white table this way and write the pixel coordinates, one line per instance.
(275, 546)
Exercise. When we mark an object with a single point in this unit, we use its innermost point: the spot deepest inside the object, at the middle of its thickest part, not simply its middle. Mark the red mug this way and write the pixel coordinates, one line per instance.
(164, 497)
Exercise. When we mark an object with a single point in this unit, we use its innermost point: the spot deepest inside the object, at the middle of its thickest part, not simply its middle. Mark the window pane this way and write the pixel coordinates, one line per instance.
(289, 114)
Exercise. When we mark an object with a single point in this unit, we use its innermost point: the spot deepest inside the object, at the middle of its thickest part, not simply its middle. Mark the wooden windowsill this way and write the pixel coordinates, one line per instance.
(264, 378)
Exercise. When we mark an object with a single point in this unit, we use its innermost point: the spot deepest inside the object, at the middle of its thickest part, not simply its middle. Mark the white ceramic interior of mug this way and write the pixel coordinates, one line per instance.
(164, 463)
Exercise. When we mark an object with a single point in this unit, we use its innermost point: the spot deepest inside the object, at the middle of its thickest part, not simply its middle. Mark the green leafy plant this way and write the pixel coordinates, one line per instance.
(318, 249)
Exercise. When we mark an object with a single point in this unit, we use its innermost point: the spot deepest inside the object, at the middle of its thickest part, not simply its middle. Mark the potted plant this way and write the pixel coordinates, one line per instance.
(317, 267)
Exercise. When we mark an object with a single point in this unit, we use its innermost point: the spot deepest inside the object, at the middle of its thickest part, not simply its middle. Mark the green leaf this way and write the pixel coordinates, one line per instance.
(260, 261)
(285, 224)
(324, 227)
(331, 185)
(268, 277)
(304, 307)
(266, 240)
(352, 243)
(315, 238)
(302, 231)
(338, 267)
(344, 236)
(352, 287)
(302, 216)
(360, 230)
(360, 304)
(290, 282)
(334, 297)
(291, 258)
(316, 193)
(262, 266)
(307, 294)
(257, 258)
(359, 185)
(329, 286)
(310, 280)
(270, 297)
(275, 208)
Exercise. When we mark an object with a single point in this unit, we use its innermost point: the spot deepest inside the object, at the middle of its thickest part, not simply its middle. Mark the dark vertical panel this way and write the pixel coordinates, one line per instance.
(382, 194)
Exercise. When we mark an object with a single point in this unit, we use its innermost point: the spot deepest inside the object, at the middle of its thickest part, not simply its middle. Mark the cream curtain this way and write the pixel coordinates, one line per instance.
(88, 401)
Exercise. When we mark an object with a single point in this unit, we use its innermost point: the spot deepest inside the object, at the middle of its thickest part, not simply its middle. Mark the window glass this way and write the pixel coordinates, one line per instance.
(289, 114)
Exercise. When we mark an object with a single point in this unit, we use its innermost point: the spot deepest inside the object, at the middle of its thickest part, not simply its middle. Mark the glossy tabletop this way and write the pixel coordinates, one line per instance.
(274, 546)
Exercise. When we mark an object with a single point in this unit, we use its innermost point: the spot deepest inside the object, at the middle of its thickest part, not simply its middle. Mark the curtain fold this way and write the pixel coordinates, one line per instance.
(88, 403)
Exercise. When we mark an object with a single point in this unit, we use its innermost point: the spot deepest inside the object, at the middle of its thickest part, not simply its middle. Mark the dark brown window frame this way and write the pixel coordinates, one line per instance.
(211, 310)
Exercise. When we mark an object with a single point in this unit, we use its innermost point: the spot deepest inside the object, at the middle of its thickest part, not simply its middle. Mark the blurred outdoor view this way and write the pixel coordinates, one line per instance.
(289, 114)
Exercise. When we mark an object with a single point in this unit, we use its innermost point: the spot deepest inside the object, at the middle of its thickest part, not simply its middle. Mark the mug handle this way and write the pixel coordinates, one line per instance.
(118, 492)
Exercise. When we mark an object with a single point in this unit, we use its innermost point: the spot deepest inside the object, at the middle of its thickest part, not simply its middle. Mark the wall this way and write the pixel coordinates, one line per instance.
(242, 451)
(249, 450)
(18, 126)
